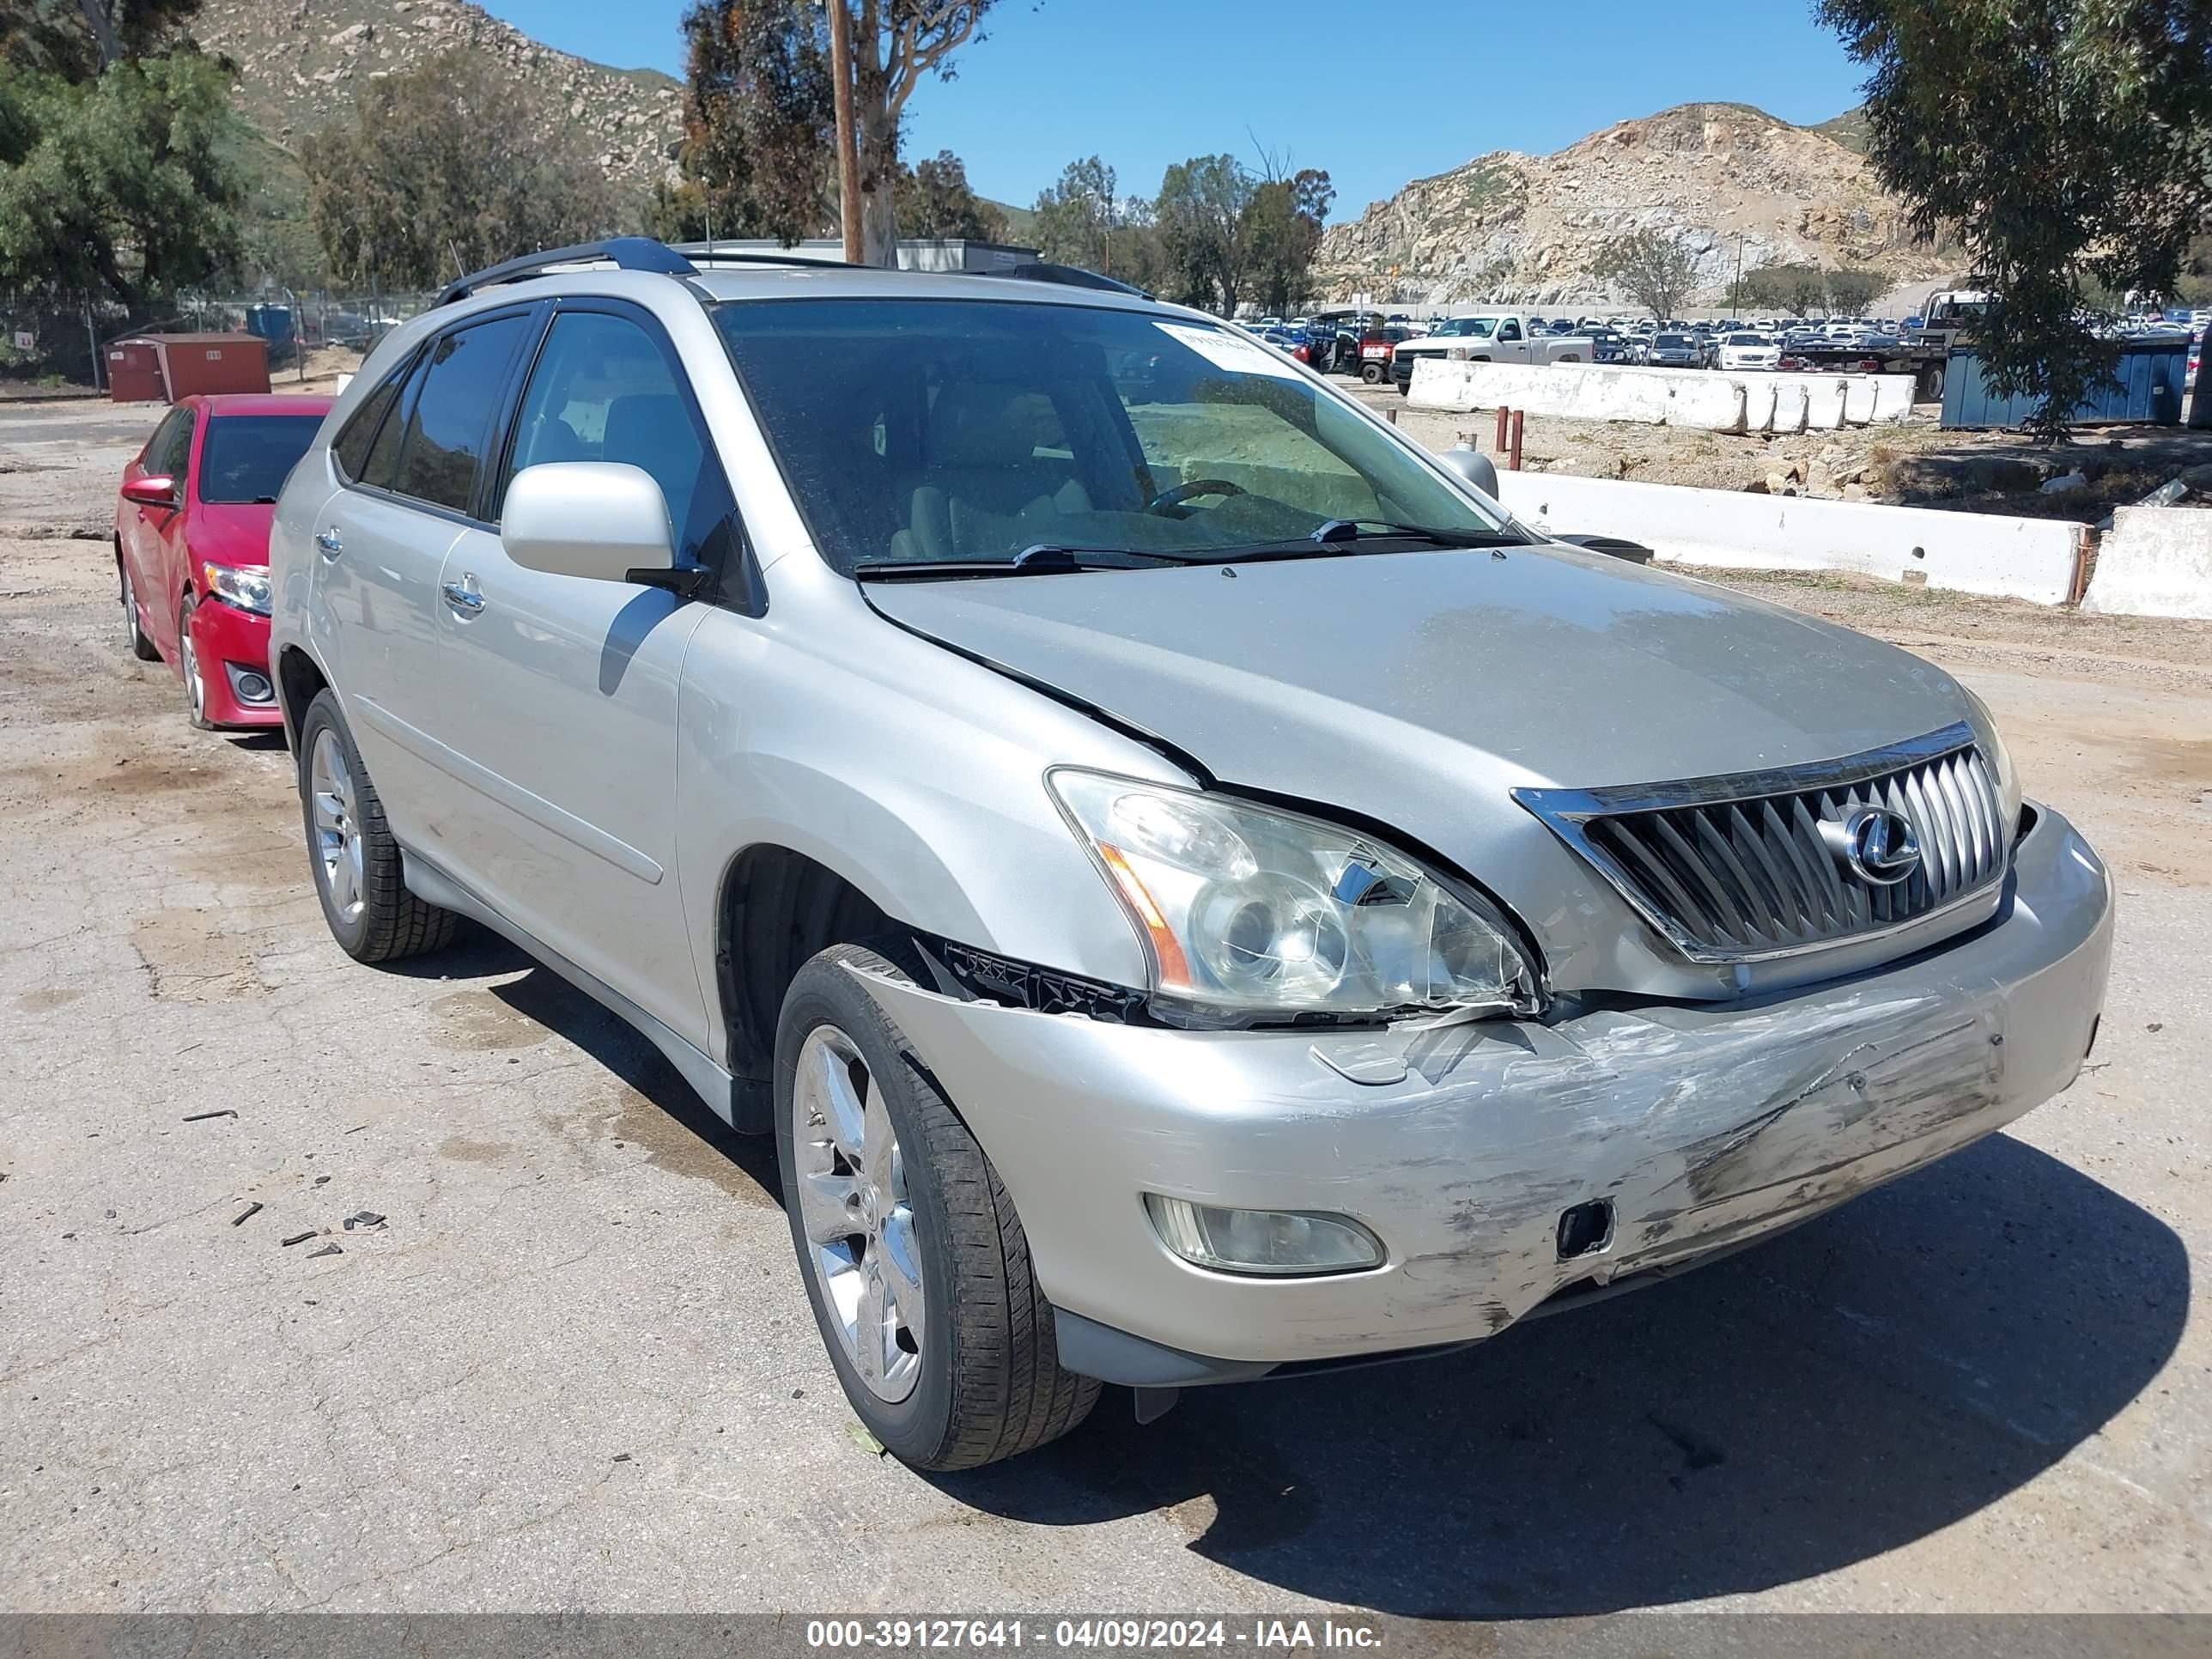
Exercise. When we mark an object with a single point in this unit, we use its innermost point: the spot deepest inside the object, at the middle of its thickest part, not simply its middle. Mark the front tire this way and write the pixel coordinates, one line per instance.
(133, 635)
(188, 660)
(915, 1261)
(354, 860)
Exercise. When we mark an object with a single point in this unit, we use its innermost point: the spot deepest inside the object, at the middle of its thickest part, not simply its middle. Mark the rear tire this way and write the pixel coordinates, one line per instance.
(354, 861)
(1371, 373)
(863, 1134)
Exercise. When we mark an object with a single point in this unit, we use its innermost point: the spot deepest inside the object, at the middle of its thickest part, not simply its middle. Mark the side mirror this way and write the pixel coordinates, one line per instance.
(157, 490)
(605, 520)
(1472, 465)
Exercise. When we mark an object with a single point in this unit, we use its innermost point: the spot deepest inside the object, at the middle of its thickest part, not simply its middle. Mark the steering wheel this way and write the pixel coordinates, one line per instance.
(1191, 491)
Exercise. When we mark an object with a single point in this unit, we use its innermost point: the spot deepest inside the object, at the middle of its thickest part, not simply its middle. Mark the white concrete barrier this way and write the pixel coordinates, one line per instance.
(1892, 395)
(1970, 552)
(1652, 397)
(1704, 398)
(1791, 408)
(2154, 562)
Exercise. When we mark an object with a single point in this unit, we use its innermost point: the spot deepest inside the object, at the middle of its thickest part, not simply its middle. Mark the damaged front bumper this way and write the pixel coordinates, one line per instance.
(1703, 1126)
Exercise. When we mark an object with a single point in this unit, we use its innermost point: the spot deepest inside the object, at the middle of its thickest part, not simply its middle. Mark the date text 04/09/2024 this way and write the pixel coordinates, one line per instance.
(1133, 1634)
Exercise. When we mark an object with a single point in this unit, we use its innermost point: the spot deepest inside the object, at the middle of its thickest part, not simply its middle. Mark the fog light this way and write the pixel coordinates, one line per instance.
(1275, 1242)
(250, 684)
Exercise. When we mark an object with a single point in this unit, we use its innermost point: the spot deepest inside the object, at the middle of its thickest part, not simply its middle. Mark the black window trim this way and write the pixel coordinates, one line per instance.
(533, 313)
(742, 590)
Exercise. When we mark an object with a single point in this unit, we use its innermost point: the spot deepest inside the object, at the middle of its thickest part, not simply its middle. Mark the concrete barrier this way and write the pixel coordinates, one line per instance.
(2154, 562)
(1892, 395)
(1651, 396)
(1969, 552)
(1702, 399)
(1792, 409)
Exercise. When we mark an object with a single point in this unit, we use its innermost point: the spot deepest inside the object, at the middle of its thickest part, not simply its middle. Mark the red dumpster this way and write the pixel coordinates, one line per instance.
(163, 368)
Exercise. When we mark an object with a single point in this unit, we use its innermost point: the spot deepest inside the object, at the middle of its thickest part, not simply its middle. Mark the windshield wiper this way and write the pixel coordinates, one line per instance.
(1353, 530)
(1038, 559)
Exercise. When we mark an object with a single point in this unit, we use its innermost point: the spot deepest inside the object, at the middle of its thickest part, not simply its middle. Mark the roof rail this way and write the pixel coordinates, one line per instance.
(707, 253)
(626, 254)
(1040, 271)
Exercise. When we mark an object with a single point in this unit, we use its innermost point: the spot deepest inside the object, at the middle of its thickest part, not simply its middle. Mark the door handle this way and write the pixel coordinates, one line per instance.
(461, 596)
(329, 542)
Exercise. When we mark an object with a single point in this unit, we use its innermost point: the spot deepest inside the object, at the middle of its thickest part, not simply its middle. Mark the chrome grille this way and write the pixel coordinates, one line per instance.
(1733, 869)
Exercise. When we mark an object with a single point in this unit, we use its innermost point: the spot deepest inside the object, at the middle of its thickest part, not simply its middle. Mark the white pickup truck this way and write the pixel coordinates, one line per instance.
(1493, 337)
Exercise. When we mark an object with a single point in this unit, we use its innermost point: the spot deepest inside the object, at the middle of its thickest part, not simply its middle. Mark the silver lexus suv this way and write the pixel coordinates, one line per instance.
(1197, 892)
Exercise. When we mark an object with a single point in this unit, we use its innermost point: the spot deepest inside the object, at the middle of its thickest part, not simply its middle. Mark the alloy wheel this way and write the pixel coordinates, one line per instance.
(861, 1248)
(337, 831)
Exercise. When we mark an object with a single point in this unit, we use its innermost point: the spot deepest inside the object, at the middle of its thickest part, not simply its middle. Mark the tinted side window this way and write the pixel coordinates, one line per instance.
(381, 469)
(602, 390)
(157, 447)
(450, 421)
(350, 446)
(180, 454)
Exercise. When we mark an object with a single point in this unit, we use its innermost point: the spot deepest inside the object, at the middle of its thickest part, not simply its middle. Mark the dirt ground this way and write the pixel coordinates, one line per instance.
(569, 1365)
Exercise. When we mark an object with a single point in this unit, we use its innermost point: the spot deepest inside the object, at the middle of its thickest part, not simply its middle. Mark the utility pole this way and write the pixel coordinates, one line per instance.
(103, 32)
(1736, 295)
(848, 152)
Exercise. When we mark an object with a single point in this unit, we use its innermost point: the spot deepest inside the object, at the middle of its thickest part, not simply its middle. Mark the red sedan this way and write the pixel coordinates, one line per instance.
(191, 546)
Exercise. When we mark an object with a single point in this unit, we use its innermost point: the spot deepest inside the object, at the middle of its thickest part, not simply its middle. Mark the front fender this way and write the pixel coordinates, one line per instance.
(916, 775)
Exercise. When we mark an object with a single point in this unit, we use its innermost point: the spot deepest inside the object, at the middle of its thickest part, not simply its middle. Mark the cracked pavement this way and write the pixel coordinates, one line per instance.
(573, 1366)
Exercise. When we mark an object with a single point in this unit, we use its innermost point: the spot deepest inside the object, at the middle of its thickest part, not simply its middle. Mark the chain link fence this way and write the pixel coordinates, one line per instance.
(54, 341)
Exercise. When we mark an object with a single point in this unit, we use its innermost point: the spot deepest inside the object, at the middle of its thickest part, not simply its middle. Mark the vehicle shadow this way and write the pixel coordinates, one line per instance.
(1842, 1391)
(696, 1137)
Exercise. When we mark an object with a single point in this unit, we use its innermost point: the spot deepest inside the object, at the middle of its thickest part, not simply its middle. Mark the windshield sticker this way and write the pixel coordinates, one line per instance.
(1225, 350)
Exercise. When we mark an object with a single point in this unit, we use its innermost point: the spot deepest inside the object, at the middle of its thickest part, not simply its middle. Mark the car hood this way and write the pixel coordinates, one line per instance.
(232, 533)
(1333, 679)
(1416, 690)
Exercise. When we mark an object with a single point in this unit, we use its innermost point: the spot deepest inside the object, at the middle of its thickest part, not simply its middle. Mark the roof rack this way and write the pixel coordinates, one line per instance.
(684, 258)
(707, 253)
(626, 254)
(1040, 271)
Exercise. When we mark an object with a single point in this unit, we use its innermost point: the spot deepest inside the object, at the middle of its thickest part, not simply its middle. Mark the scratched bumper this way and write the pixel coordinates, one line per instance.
(1705, 1124)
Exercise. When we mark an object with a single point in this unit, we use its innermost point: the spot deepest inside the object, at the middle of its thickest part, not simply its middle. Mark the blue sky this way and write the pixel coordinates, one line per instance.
(1146, 83)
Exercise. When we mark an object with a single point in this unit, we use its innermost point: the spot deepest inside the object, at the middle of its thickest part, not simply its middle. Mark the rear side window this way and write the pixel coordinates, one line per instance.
(381, 469)
(448, 424)
(350, 446)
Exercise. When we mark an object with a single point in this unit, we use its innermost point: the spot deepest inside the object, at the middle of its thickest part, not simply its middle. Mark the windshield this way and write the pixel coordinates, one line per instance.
(1674, 340)
(246, 458)
(921, 431)
(1745, 340)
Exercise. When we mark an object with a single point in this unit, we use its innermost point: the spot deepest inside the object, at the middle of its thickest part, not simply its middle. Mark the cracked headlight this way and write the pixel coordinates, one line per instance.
(247, 589)
(1993, 749)
(1250, 914)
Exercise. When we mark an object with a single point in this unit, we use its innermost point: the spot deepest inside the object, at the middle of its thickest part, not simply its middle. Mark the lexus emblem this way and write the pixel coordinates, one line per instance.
(1878, 845)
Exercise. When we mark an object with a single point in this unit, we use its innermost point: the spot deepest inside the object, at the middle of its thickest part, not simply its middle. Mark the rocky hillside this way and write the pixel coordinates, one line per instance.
(301, 62)
(1510, 227)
